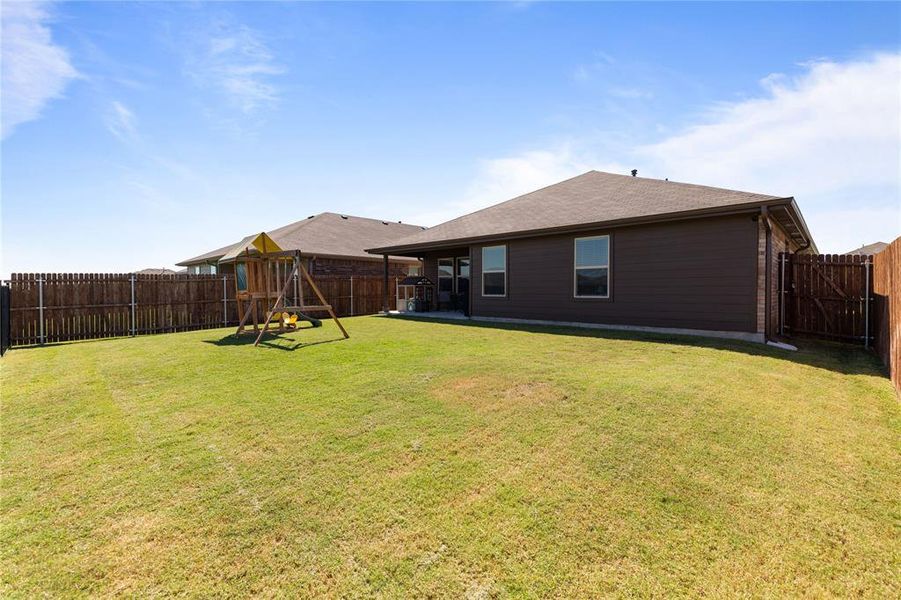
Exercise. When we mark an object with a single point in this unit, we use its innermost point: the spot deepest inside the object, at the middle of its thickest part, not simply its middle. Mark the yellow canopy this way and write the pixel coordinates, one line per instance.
(261, 241)
(264, 244)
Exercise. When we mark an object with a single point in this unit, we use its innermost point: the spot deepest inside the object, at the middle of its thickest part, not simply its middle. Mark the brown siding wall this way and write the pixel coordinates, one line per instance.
(699, 274)
(340, 267)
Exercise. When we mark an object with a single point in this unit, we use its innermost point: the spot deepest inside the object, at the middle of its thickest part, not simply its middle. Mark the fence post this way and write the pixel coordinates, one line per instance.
(351, 295)
(866, 299)
(41, 305)
(133, 325)
(224, 302)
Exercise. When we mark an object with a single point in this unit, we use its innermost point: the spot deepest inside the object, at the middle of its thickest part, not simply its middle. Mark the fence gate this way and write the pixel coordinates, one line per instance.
(828, 296)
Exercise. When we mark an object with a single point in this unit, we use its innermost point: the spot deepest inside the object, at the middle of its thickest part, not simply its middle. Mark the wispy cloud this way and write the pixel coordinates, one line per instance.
(503, 178)
(234, 61)
(630, 93)
(608, 76)
(599, 63)
(831, 137)
(120, 121)
(35, 69)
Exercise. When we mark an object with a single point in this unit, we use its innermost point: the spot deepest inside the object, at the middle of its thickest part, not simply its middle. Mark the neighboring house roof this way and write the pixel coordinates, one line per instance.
(327, 235)
(874, 248)
(155, 272)
(596, 198)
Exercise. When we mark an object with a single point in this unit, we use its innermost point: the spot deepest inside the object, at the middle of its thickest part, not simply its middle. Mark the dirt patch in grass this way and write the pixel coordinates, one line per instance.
(491, 394)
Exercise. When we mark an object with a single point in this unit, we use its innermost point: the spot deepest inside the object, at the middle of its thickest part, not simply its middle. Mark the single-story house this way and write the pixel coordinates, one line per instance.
(155, 271)
(331, 244)
(868, 249)
(609, 250)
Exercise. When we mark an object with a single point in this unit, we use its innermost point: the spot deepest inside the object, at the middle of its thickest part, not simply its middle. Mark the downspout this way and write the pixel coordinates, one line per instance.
(767, 283)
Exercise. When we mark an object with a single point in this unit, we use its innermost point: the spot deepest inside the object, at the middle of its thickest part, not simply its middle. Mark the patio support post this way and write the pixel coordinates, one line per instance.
(295, 280)
(41, 305)
(132, 304)
(351, 295)
(385, 286)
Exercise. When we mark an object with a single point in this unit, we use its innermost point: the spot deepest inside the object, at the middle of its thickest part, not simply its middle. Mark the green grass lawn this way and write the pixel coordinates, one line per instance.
(434, 459)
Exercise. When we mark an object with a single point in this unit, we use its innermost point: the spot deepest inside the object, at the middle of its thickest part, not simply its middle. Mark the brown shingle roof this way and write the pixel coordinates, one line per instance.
(153, 271)
(328, 234)
(874, 248)
(591, 198)
(211, 256)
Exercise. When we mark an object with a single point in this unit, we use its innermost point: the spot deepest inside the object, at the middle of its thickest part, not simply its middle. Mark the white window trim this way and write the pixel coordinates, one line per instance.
(453, 267)
(504, 271)
(576, 268)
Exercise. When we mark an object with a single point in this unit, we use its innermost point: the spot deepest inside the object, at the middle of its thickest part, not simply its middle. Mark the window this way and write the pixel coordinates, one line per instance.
(241, 276)
(446, 275)
(494, 271)
(463, 267)
(462, 274)
(592, 267)
(414, 270)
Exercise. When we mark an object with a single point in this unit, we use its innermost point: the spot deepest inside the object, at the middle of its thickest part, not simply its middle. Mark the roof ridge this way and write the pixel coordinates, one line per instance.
(375, 219)
(350, 216)
(469, 214)
(294, 226)
(691, 185)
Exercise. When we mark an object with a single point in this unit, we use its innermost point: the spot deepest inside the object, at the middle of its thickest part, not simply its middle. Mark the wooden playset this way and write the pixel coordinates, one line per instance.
(263, 280)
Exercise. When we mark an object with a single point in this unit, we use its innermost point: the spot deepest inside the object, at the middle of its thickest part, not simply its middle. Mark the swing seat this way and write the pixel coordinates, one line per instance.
(308, 319)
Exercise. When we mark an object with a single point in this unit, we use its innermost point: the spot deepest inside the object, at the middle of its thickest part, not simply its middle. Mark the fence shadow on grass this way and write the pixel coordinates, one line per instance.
(846, 359)
(277, 341)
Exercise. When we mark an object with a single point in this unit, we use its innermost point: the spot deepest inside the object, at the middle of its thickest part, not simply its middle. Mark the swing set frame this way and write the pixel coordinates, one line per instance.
(269, 275)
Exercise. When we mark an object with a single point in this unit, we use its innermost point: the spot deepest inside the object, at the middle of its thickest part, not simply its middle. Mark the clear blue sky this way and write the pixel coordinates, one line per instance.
(136, 135)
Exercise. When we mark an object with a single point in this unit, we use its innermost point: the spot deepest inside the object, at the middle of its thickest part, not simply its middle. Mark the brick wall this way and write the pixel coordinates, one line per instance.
(761, 276)
(359, 268)
(781, 243)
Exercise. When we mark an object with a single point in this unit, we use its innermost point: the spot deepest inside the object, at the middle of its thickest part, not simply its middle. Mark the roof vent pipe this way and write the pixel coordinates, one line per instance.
(634, 172)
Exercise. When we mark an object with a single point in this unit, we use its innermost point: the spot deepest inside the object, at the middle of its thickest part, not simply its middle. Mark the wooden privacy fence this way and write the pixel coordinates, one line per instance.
(59, 307)
(351, 296)
(887, 309)
(826, 296)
